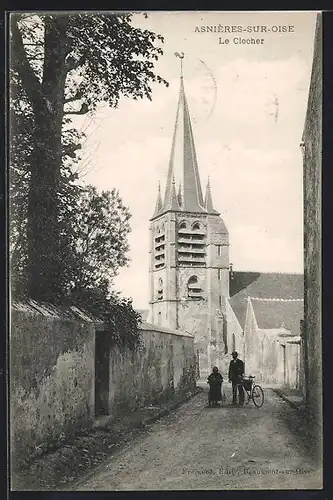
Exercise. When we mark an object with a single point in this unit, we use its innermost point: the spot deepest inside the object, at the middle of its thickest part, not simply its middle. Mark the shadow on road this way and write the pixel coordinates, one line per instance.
(297, 421)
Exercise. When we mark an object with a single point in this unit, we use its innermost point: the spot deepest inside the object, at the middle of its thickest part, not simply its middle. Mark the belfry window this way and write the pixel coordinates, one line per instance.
(194, 290)
(219, 249)
(160, 289)
(159, 246)
(191, 247)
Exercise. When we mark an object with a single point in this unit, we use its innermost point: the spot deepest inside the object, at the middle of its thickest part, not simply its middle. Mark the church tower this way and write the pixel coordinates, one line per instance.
(189, 251)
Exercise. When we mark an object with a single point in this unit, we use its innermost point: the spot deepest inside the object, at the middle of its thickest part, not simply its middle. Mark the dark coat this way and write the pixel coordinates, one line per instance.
(215, 383)
(236, 369)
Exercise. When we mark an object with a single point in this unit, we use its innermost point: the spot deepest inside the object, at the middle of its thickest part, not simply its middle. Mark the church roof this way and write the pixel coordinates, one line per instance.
(279, 313)
(183, 168)
(208, 200)
(158, 206)
(183, 157)
(171, 199)
(262, 286)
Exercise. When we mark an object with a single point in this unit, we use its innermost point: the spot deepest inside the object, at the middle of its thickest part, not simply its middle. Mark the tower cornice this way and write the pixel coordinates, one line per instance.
(185, 213)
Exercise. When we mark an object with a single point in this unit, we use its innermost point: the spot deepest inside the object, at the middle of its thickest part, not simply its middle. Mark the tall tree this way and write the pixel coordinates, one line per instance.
(67, 63)
(21, 144)
(100, 238)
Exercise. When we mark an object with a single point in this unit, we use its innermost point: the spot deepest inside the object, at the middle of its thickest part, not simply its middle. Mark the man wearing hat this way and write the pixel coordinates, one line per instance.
(236, 371)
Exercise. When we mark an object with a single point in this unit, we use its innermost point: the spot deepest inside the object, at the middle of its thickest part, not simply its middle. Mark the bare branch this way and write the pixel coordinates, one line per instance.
(70, 150)
(75, 97)
(73, 63)
(37, 57)
(22, 67)
(84, 110)
(35, 44)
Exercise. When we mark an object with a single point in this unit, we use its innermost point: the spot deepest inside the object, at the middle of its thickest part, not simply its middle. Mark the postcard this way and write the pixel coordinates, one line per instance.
(165, 246)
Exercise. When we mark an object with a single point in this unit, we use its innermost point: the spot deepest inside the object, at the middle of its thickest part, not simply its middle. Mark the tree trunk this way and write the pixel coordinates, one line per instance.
(44, 272)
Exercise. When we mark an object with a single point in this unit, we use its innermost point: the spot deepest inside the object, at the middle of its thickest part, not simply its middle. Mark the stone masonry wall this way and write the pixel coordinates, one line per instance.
(164, 369)
(235, 329)
(52, 375)
(312, 237)
(51, 378)
(268, 357)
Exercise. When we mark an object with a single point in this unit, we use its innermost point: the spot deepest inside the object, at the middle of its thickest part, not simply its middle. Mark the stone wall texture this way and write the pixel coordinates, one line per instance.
(52, 375)
(51, 378)
(164, 369)
(271, 355)
(312, 156)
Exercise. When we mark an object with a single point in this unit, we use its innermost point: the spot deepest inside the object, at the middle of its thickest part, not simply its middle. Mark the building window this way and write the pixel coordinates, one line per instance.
(219, 274)
(219, 249)
(191, 248)
(159, 318)
(194, 290)
(160, 289)
(233, 342)
(159, 247)
(220, 300)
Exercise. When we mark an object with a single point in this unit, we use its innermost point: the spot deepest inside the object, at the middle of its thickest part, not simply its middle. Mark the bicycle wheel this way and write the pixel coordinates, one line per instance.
(258, 396)
(239, 395)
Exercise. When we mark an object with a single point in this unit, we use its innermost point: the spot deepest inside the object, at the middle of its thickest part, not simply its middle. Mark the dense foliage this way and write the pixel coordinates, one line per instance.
(65, 64)
(68, 240)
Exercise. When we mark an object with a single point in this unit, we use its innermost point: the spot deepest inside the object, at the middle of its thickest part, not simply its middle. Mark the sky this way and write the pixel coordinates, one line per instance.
(247, 104)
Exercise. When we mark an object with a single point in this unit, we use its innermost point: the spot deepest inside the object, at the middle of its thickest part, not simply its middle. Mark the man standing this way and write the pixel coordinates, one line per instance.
(236, 371)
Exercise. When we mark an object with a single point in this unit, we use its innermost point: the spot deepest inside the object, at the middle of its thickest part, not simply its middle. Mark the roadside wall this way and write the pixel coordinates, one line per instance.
(52, 374)
(312, 161)
(164, 369)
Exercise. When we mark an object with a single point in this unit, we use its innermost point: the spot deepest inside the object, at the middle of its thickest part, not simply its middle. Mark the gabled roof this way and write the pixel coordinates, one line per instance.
(262, 285)
(273, 314)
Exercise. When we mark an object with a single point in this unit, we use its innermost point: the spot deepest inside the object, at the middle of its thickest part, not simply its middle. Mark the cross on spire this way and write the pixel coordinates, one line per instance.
(181, 56)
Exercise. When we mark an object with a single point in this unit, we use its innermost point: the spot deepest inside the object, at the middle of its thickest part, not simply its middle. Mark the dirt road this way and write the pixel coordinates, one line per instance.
(197, 448)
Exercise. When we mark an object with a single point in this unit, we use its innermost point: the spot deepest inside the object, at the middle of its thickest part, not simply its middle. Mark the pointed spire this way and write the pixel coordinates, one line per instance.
(208, 199)
(159, 204)
(172, 202)
(192, 199)
(179, 195)
(168, 186)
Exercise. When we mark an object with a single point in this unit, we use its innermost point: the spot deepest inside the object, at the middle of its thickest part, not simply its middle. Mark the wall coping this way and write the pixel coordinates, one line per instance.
(74, 313)
(52, 311)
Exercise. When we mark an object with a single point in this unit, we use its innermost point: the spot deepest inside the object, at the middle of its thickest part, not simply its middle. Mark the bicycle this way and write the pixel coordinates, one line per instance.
(253, 391)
